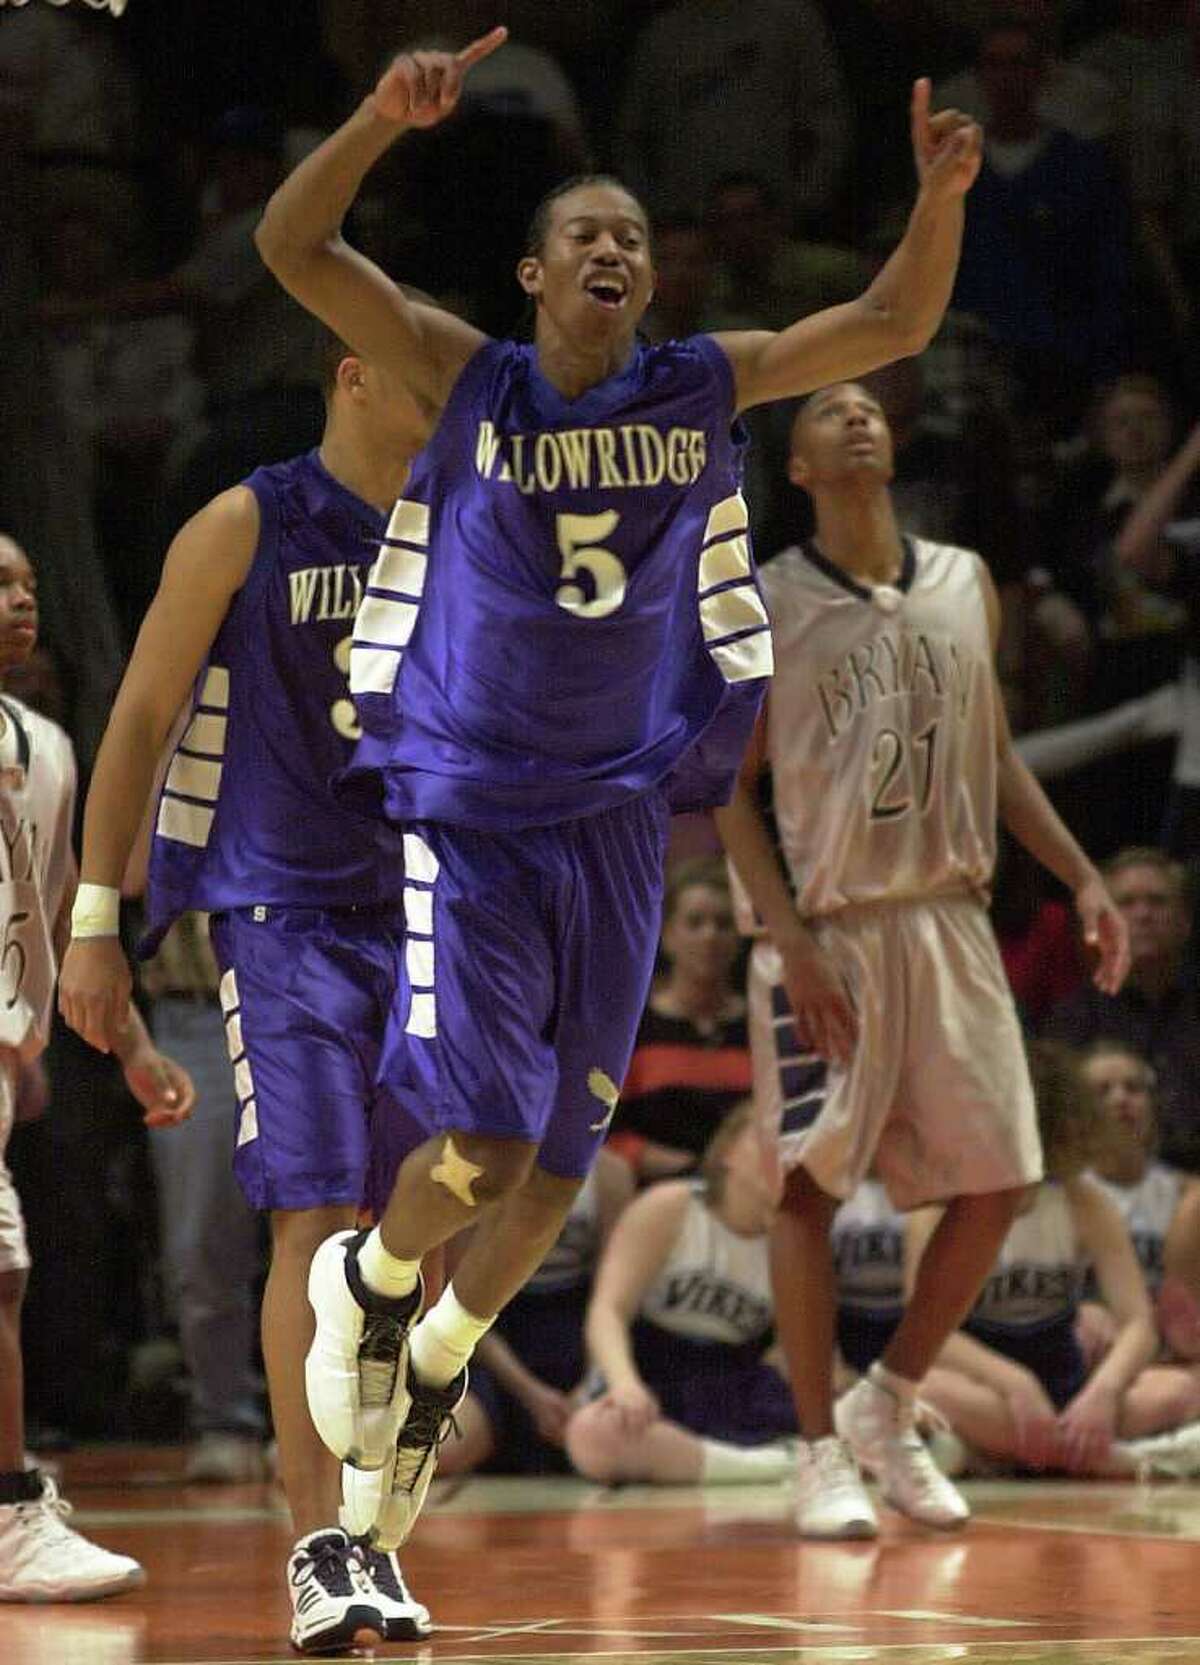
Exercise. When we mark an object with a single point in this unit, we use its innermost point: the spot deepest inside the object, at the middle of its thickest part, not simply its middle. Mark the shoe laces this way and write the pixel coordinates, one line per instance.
(834, 1462)
(47, 1515)
(379, 1354)
(430, 1424)
(331, 1561)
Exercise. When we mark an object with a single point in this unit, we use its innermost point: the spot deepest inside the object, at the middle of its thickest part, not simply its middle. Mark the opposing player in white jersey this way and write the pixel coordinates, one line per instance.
(882, 1026)
(41, 1558)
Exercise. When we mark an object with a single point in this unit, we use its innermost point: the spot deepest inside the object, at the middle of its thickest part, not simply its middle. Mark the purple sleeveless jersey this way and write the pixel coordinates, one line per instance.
(246, 814)
(564, 613)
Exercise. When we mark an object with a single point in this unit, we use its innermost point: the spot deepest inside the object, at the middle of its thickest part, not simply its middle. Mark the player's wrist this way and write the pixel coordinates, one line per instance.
(96, 912)
(130, 1039)
(793, 939)
(386, 127)
(1085, 878)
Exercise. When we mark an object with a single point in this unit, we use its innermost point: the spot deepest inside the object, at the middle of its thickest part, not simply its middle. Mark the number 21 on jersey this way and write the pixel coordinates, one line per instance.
(889, 800)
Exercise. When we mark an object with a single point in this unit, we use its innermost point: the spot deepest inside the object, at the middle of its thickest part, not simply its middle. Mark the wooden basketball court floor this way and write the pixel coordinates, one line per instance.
(562, 1573)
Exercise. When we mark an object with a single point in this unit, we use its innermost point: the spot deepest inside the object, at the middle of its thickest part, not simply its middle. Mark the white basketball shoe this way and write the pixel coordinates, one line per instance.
(356, 1369)
(43, 1559)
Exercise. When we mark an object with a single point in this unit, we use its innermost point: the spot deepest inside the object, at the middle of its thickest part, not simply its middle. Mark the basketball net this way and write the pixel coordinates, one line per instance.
(116, 7)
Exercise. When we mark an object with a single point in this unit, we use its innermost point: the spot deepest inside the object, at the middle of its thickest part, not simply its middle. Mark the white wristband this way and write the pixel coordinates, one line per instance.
(97, 912)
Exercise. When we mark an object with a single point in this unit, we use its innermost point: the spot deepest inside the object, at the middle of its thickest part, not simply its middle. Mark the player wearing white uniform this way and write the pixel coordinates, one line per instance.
(891, 759)
(41, 1558)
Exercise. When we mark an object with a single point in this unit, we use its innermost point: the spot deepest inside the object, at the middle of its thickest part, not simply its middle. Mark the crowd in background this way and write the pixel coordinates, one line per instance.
(147, 360)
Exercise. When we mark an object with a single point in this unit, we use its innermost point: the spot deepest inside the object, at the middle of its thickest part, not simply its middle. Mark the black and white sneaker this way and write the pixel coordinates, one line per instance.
(355, 1370)
(383, 1507)
(334, 1605)
(405, 1618)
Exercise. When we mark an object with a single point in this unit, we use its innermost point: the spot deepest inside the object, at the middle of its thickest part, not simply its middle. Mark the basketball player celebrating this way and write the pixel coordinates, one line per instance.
(41, 1558)
(562, 640)
(251, 623)
(882, 1026)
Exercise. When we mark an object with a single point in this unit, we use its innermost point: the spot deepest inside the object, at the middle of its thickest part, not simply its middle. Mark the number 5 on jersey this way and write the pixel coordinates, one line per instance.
(584, 558)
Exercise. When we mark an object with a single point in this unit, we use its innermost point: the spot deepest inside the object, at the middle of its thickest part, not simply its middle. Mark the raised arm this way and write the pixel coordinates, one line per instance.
(205, 566)
(300, 233)
(1141, 544)
(1034, 822)
(900, 312)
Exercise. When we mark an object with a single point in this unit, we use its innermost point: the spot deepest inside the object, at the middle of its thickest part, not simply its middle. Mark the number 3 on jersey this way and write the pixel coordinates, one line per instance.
(602, 589)
(342, 714)
(887, 756)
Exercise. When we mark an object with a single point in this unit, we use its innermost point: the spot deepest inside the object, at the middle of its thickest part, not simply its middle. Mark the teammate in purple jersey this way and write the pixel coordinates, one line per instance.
(250, 633)
(562, 639)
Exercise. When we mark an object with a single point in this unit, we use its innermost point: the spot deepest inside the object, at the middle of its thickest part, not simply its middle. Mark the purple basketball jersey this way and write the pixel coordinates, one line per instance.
(246, 814)
(564, 613)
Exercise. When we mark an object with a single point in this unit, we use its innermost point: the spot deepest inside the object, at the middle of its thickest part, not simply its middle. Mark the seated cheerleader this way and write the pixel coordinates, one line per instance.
(1159, 1205)
(528, 1370)
(677, 1329)
(1013, 1382)
(867, 1241)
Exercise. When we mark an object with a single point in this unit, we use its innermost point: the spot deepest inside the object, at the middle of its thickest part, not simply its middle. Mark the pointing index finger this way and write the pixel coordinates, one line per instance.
(482, 48)
(922, 92)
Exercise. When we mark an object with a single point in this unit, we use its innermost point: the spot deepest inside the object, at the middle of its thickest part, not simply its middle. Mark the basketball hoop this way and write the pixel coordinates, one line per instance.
(116, 7)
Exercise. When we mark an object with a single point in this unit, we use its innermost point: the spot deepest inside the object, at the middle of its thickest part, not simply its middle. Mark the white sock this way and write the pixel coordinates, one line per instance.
(383, 1272)
(730, 1464)
(445, 1339)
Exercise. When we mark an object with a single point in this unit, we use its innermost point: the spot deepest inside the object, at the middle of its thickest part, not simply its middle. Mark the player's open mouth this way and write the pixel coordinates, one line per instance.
(607, 292)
